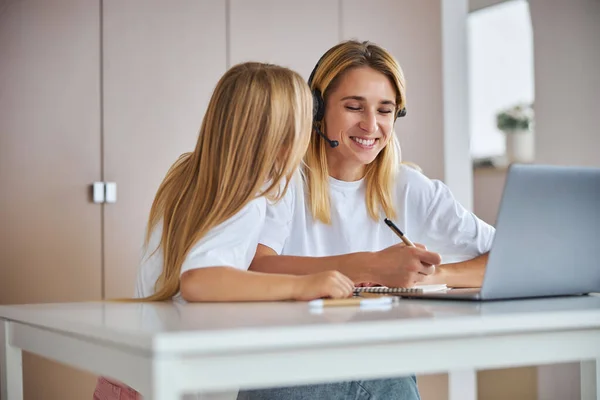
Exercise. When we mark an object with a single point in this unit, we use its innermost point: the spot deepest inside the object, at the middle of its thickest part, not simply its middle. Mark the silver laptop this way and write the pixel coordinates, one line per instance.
(547, 239)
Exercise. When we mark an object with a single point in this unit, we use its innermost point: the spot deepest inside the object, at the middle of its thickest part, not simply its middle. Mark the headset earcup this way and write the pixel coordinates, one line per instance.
(318, 106)
(401, 113)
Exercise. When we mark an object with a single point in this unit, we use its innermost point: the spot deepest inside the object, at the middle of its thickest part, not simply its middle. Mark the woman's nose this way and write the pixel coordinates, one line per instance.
(368, 122)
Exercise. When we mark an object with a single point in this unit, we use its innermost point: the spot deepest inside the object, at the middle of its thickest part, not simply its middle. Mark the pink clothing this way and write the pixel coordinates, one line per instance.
(112, 390)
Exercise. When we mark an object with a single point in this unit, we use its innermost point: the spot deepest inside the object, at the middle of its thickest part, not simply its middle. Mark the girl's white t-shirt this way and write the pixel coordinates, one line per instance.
(230, 244)
(427, 213)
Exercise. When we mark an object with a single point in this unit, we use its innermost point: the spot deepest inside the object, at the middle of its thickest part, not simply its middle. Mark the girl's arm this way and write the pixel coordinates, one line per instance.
(216, 284)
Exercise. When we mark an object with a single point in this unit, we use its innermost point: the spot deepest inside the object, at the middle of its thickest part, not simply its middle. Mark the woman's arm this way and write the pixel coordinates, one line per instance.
(396, 266)
(445, 225)
(216, 284)
(465, 274)
(356, 266)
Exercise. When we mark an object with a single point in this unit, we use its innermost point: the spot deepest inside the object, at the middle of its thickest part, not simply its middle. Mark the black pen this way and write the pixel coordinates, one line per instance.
(398, 232)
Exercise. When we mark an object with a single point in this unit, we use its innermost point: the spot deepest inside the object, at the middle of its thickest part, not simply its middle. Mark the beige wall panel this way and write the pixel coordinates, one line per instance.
(294, 34)
(50, 235)
(162, 61)
(412, 32)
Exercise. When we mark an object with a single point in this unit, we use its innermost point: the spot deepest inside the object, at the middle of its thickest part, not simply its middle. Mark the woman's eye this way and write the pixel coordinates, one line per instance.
(353, 108)
(385, 111)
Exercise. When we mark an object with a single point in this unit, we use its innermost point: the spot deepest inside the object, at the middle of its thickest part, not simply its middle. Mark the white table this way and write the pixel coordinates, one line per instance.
(166, 349)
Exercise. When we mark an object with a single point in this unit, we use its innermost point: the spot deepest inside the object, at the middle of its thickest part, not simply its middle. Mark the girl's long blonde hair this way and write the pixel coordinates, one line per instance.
(254, 134)
(380, 173)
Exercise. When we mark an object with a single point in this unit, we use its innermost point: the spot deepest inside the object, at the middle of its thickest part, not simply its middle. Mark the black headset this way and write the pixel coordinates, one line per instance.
(319, 107)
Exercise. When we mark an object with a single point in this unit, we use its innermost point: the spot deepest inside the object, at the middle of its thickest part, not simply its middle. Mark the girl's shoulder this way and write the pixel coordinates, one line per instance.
(295, 187)
(251, 215)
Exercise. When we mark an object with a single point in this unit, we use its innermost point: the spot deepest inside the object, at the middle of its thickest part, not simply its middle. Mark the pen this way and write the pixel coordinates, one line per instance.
(398, 232)
(351, 301)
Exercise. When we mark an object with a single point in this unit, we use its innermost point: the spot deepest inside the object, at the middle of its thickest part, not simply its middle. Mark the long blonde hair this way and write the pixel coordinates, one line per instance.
(254, 134)
(380, 173)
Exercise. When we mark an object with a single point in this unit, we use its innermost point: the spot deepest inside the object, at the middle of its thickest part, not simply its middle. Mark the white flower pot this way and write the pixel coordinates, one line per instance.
(520, 146)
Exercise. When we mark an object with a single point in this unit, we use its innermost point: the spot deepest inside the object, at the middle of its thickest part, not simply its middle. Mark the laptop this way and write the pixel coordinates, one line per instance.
(547, 240)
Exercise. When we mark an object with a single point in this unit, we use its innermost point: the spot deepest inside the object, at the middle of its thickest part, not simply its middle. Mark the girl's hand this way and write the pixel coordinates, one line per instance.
(332, 284)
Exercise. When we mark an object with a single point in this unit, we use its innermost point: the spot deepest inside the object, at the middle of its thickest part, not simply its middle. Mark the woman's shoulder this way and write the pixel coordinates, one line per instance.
(411, 178)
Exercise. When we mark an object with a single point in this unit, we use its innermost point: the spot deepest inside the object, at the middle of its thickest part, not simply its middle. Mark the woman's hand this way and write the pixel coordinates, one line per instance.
(404, 266)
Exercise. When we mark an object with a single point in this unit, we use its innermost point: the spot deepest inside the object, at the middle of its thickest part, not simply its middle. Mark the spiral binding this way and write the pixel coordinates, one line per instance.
(386, 290)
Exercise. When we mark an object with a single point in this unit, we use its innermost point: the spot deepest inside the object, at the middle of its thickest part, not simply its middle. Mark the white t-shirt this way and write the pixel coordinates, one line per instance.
(427, 214)
(230, 244)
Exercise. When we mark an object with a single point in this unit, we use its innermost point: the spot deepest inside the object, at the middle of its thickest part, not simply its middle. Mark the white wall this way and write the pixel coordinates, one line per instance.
(458, 173)
(500, 70)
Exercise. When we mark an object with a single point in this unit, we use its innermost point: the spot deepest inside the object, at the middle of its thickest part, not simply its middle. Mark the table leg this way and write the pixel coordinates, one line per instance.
(11, 366)
(590, 380)
(462, 385)
(164, 394)
(164, 385)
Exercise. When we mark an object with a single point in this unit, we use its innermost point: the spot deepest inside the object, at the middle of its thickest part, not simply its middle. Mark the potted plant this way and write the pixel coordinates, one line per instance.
(517, 124)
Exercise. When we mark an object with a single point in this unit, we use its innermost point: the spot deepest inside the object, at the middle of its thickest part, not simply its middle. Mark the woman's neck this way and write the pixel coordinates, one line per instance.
(344, 171)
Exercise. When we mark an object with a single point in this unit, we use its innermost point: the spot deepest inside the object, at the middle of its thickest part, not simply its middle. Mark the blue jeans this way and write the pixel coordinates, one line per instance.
(380, 389)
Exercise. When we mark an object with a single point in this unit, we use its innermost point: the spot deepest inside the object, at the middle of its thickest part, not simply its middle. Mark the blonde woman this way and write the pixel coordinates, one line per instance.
(332, 215)
(209, 210)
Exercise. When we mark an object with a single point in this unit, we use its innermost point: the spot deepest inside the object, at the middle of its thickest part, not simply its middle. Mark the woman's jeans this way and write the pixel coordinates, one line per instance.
(380, 389)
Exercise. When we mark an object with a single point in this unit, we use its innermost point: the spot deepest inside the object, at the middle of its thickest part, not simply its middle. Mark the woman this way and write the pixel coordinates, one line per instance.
(332, 215)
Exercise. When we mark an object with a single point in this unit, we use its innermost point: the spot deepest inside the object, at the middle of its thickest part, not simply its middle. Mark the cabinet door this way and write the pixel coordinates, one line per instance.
(294, 34)
(50, 231)
(161, 62)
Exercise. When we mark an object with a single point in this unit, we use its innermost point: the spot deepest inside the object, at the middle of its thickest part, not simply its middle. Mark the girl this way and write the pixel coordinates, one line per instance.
(209, 210)
(210, 207)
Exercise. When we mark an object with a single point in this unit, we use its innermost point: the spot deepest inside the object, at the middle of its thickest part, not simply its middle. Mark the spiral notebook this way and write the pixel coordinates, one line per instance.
(399, 290)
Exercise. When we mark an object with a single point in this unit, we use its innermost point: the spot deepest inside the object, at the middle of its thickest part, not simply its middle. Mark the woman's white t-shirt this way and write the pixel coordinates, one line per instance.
(230, 244)
(427, 213)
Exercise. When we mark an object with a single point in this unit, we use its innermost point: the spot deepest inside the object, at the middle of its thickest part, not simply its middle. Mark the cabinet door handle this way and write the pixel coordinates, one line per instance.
(98, 192)
(111, 192)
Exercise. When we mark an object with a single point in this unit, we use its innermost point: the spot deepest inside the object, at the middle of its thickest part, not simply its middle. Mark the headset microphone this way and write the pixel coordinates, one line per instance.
(332, 143)
(319, 114)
